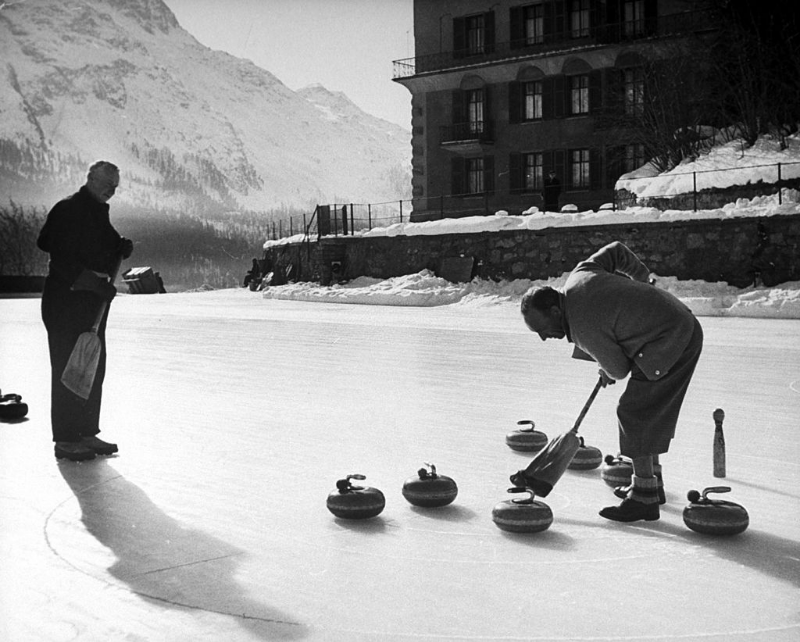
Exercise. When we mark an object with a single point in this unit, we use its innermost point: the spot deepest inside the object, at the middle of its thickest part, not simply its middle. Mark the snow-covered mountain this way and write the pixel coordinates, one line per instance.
(123, 81)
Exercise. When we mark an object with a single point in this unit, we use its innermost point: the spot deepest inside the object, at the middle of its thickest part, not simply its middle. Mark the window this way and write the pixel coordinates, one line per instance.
(579, 168)
(473, 35)
(533, 24)
(475, 176)
(634, 157)
(633, 80)
(579, 18)
(475, 118)
(476, 34)
(579, 94)
(533, 174)
(532, 96)
(633, 18)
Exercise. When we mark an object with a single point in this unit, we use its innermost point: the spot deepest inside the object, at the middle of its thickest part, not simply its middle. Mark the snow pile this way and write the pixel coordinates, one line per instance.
(724, 165)
(425, 289)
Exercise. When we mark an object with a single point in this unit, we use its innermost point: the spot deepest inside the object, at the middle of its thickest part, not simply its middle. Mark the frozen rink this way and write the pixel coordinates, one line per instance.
(236, 415)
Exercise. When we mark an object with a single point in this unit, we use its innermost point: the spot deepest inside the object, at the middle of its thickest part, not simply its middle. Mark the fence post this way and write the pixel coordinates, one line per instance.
(780, 187)
(291, 227)
(280, 229)
(352, 226)
(694, 190)
(369, 216)
(401, 210)
(335, 221)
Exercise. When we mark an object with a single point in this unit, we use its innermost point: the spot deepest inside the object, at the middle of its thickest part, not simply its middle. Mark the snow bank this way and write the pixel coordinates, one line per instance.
(425, 289)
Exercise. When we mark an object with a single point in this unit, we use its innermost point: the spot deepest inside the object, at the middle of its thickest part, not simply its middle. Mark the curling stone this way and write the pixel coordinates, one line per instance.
(586, 458)
(617, 471)
(12, 407)
(355, 502)
(526, 439)
(714, 516)
(429, 489)
(525, 515)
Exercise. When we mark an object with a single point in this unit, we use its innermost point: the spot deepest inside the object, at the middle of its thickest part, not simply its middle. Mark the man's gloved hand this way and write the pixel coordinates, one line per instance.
(89, 281)
(125, 247)
(606, 380)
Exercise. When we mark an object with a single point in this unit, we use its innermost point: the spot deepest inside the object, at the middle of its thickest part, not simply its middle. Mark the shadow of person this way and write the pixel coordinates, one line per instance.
(161, 559)
(762, 551)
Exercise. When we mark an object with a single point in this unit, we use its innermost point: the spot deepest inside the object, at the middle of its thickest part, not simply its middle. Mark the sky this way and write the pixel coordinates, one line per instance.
(343, 45)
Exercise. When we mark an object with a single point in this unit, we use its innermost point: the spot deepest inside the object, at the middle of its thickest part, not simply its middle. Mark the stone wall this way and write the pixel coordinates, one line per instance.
(731, 250)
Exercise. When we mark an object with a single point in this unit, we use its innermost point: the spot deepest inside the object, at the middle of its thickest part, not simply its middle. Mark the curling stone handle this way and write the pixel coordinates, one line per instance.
(588, 404)
(433, 469)
(716, 489)
(526, 422)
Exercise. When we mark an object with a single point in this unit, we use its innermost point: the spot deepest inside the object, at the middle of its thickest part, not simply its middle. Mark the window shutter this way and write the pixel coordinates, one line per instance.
(614, 164)
(613, 28)
(548, 98)
(514, 103)
(560, 20)
(562, 169)
(650, 17)
(560, 97)
(459, 110)
(488, 174)
(516, 180)
(457, 183)
(489, 39)
(595, 169)
(595, 105)
(459, 37)
(516, 17)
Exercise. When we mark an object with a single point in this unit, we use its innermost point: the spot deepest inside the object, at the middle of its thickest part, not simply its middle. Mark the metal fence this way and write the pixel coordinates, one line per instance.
(347, 219)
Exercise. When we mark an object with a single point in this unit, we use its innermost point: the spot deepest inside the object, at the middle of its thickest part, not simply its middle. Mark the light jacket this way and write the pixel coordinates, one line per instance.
(613, 314)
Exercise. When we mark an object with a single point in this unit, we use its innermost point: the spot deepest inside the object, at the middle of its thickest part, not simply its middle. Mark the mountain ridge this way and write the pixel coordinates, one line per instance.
(190, 127)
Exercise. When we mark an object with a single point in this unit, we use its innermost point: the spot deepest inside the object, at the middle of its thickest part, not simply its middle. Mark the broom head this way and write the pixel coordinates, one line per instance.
(549, 464)
(78, 376)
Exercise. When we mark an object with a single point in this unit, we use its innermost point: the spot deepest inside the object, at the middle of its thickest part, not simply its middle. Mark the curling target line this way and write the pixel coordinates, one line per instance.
(795, 386)
(550, 638)
(129, 589)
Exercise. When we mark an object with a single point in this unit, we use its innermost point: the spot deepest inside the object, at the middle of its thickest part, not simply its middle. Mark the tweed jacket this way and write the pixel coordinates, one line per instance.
(615, 316)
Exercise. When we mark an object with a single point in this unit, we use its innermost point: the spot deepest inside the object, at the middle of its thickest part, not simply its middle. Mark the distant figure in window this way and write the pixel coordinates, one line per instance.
(551, 192)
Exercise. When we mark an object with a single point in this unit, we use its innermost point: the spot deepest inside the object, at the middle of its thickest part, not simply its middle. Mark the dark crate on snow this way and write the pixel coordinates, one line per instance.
(141, 280)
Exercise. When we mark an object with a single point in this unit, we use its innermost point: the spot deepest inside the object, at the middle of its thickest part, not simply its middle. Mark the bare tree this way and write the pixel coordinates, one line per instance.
(19, 230)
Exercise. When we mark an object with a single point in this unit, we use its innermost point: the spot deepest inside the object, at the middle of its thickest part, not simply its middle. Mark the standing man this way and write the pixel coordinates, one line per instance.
(85, 251)
(551, 192)
(615, 316)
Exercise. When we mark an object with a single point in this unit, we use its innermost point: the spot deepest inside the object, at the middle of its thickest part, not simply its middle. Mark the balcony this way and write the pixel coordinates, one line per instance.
(467, 138)
(553, 43)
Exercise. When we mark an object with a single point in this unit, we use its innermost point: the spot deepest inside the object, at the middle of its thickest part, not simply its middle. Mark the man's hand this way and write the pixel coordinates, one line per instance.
(125, 247)
(605, 379)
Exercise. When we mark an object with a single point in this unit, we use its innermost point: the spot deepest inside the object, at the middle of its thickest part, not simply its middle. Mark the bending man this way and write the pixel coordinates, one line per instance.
(615, 316)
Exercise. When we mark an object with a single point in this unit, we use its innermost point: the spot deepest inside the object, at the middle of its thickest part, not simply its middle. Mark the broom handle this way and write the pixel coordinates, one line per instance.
(588, 403)
(104, 305)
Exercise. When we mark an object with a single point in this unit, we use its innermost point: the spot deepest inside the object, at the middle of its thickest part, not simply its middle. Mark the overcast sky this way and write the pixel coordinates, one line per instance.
(344, 45)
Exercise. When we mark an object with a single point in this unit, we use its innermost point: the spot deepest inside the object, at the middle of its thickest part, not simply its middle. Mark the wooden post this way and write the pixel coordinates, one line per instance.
(719, 443)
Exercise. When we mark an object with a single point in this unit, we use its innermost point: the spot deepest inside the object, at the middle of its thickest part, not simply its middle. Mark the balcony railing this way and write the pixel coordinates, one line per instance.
(601, 35)
(481, 131)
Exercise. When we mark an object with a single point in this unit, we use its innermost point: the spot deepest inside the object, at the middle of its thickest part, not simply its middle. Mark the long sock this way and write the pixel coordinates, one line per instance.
(645, 490)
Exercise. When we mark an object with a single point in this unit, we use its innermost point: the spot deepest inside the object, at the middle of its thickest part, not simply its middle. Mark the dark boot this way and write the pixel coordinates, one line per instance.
(74, 451)
(631, 511)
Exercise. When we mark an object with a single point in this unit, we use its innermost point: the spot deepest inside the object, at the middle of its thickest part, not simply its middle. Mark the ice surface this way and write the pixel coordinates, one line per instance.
(236, 414)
